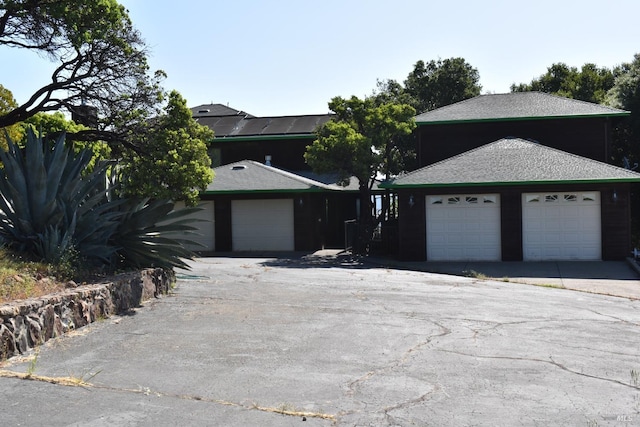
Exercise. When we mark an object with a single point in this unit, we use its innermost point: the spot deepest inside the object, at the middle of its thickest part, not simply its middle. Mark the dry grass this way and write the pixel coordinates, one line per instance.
(22, 279)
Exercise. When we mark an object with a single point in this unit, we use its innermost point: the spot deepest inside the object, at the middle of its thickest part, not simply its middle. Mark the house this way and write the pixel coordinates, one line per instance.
(251, 206)
(577, 127)
(264, 189)
(522, 176)
(511, 177)
(241, 136)
(513, 200)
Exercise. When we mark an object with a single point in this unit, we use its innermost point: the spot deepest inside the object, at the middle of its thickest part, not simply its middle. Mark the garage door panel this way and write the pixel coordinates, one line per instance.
(561, 226)
(205, 227)
(463, 227)
(262, 225)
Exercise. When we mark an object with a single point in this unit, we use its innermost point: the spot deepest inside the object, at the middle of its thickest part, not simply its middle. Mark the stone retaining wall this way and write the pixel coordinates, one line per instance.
(27, 323)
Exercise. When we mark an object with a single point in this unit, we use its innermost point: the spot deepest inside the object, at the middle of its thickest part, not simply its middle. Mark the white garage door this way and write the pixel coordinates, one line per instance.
(463, 227)
(206, 234)
(262, 225)
(561, 226)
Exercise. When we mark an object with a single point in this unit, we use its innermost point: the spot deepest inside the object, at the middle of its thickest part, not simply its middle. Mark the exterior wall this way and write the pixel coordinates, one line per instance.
(318, 218)
(285, 153)
(615, 218)
(587, 137)
(412, 225)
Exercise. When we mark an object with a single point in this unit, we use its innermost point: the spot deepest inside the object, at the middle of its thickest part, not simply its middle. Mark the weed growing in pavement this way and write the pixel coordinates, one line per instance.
(635, 378)
(474, 274)
(33, 363)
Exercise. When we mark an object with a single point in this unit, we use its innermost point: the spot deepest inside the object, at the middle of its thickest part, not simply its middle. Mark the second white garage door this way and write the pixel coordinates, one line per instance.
(262, 225)
(561, 226)
(463, 227)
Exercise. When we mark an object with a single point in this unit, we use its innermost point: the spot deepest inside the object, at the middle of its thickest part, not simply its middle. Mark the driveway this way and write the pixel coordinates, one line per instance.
(322, 341)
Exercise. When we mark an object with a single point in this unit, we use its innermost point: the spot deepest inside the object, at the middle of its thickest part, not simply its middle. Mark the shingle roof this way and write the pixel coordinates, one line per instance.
(216, 110)
(515, 106)
(250, 176)
(332, 179)
(514, 161)
(235, 126)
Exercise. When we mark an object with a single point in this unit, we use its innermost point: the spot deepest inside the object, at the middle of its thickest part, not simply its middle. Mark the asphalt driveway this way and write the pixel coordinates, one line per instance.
(321, 341)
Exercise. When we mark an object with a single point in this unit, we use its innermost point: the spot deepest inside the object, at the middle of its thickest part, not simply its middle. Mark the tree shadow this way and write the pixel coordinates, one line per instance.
(315, 260)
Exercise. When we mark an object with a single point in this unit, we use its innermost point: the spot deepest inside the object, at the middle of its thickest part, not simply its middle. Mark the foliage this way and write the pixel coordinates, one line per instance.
(52, 125)
(590, 83)
(7, 103)
(360, 142)
(151, 233)
(175, 163)
(438, 83)
(52, 212)
(99, 58)
(625, 94)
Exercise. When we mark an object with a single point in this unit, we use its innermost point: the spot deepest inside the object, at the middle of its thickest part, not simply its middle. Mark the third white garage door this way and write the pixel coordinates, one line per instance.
(262, 225)
(561, 226)
(463, 227)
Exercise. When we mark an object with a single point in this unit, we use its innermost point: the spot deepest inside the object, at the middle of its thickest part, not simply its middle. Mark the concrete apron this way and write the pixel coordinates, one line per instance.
(615, 278)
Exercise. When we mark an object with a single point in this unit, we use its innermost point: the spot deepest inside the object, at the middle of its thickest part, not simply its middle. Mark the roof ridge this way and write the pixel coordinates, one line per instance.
(286, 174)
(573, 100)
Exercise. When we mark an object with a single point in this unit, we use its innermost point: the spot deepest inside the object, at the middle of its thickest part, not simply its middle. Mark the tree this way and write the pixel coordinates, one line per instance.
(7, 103)
(590, 83)
(359, 141)
(100, 60)
(175, 164)
(438, 83)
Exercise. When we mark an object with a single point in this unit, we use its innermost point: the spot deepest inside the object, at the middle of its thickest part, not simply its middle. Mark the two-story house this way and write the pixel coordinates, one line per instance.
(519, 176)
(264, 197)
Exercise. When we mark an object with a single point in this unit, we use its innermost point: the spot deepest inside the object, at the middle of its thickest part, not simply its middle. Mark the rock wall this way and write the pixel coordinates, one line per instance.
(27, 323)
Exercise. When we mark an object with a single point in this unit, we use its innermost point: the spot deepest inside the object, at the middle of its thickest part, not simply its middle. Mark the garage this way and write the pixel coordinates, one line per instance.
(262, 225)
(205, 224)
(463, 227)
(561, 226)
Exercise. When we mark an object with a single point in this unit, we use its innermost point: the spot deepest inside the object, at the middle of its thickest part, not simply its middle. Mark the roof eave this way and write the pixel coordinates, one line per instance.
(229, 138)
(514, 119)
(512, 183)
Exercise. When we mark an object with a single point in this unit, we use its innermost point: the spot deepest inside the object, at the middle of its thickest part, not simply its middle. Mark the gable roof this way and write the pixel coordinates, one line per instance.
(516, 106)
(249, 176)
(216, 110)
(513, 161)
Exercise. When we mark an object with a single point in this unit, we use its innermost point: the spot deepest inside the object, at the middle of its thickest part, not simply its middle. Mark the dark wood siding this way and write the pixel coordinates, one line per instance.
(588, 137)
(511, 224)
(222, 206)
(615, 217)
(412, 226)
(285, 153)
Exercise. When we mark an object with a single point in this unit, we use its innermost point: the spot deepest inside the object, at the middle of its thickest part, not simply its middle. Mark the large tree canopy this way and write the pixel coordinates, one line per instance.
(438, 83)
(99, 60)
(432, 85)
(361, 141)
(590, 83)
(175, 164)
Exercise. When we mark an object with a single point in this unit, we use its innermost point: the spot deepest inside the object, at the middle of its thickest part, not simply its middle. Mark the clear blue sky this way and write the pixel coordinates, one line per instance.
(285, 57)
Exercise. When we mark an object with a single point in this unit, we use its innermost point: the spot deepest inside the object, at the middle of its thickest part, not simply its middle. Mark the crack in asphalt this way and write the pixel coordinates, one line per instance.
(549, 362)
(79, 382)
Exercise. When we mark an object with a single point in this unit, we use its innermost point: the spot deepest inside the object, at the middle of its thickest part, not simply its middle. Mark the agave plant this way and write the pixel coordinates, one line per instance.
(48, 209)
(151, 234)
(45, 199)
